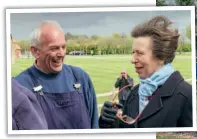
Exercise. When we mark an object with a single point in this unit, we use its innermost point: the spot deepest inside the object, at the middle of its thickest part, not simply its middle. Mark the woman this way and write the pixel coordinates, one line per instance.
(163, 98)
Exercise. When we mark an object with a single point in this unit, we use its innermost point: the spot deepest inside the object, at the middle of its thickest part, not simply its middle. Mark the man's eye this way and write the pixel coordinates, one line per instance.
(54, 48)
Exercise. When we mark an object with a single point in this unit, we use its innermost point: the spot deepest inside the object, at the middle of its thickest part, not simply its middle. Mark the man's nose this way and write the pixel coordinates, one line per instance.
(61, 52)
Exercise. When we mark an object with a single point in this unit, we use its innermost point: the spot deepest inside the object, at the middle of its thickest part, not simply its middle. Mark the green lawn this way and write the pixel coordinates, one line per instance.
(104, 70)
(170, 137)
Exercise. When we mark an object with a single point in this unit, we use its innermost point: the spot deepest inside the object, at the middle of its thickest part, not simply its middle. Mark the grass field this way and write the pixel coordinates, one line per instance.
(171, 137)
(104, 70)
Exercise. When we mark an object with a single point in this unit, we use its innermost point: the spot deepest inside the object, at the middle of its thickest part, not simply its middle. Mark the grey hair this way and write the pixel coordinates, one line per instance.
(35, 35)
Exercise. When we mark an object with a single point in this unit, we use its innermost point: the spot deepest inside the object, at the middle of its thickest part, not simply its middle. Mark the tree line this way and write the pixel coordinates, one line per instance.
(104, 45)
(176, 2)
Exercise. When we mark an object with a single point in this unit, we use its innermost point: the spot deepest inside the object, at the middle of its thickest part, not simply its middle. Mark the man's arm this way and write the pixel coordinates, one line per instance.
(91, 101)
(130, 81)
(93, 109)
(117, 84)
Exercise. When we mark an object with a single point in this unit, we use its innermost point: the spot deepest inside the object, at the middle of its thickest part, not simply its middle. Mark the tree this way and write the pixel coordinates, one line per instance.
(68, 36)
(123, 36)
(13, 52)
(185, 2)
(160, 2)
(116, 35)
(72, 45)
(25, 45)
(95, 37)
(81, 40)
(188, 32)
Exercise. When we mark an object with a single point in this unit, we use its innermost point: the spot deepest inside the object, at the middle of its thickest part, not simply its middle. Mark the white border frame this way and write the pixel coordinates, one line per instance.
(99, 9)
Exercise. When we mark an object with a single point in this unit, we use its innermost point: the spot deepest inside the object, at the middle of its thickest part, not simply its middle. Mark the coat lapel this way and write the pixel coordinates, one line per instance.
(132, 106)
(135, 106)
(156, 104)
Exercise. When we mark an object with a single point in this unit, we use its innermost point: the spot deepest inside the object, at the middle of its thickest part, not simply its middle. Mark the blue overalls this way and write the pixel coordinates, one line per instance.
(63, 110)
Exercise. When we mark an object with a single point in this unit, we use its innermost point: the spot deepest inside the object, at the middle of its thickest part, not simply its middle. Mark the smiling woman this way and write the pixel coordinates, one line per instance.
(162, 98)
(142, 57)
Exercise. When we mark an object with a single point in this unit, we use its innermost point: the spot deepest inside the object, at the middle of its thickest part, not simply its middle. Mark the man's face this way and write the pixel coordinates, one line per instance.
(52, 50)
(123, 74)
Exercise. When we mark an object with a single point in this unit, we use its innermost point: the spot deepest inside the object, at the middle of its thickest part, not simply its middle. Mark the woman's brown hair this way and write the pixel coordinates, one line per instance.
(165, 40)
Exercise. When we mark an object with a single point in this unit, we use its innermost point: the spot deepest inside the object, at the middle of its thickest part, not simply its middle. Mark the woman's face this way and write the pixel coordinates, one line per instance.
(142, 57)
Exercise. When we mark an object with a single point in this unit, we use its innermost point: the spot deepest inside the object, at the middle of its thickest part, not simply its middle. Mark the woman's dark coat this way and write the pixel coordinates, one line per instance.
(171, 106)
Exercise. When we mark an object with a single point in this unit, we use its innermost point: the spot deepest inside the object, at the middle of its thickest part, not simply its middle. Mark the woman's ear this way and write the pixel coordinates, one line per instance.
(35, 52)
(162, 62)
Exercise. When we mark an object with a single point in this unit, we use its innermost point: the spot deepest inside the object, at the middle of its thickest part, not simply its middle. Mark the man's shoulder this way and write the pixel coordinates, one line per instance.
(24, 78)
(129, 77)
(134, 89)
(22, 75)
(77, 70)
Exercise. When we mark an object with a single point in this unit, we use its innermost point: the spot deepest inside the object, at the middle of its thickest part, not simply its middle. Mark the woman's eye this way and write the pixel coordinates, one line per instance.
(140, 53)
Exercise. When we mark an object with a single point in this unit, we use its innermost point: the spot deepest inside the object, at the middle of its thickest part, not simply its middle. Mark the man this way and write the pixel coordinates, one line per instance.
(26, 111)
(66, 93)
(124, 83)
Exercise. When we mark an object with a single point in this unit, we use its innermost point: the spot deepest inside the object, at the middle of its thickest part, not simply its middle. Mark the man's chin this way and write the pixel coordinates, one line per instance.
(57, 69)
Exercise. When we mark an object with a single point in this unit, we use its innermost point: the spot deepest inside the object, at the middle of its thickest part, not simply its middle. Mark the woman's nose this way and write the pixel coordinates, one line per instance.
(133, 59)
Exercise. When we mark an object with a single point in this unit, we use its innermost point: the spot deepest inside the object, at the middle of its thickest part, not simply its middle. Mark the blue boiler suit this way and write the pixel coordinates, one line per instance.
(65, 106)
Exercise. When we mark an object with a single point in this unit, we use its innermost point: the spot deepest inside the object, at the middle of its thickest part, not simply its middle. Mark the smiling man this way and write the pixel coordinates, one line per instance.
(65, 93)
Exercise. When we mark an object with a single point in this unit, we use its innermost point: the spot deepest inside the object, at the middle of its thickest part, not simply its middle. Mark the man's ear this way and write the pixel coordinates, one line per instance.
(35, 52)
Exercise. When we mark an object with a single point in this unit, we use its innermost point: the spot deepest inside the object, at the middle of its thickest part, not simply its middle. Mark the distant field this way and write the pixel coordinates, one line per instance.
(171, 137)
(104, 70)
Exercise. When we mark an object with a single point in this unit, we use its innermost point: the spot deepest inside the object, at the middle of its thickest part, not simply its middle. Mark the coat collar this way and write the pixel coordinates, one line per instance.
(170, 85)
(156, 104)
(166, 90)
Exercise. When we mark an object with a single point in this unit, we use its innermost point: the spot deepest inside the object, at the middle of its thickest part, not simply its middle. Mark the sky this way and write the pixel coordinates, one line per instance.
(89, 23)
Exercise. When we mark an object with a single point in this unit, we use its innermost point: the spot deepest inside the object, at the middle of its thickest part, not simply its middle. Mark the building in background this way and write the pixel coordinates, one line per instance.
(15, 50)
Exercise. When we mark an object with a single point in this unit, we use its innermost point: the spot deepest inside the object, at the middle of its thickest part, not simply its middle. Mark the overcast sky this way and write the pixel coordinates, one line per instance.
(89, 23)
